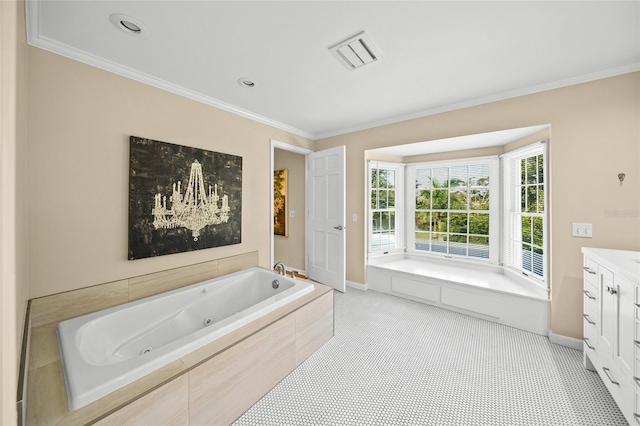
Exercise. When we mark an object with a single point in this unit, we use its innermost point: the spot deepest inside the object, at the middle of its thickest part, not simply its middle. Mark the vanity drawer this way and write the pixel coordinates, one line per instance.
(636, 412)
(590, 318)
(590, 332)
(590, 272)
(590, 297)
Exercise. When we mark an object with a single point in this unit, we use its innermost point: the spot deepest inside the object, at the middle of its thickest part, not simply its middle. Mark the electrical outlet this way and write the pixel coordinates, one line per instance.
(354, 217)
(292, 213)
(582, 230)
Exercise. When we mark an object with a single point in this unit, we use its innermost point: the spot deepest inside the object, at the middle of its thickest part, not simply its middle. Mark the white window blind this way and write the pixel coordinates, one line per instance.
(524, 213)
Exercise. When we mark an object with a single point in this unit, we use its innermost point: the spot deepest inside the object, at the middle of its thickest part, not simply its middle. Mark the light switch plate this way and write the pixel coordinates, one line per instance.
(582, 230)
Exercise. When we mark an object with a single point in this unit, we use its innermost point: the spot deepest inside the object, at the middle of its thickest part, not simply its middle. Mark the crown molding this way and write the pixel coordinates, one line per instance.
(37, 40)
(585, 78)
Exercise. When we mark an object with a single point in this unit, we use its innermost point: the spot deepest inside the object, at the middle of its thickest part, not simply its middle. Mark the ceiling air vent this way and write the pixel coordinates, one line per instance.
(356, 51)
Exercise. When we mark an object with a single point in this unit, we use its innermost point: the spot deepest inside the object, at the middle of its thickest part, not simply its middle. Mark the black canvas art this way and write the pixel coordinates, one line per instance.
(181, 198)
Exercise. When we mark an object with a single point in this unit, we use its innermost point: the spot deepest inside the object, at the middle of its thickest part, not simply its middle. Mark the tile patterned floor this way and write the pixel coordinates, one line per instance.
(397, 362)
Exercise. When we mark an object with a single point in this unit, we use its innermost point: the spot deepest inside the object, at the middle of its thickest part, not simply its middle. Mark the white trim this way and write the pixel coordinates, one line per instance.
(298, 150)
(357, 286)
(584, 78)
(567, 341)
(35, 39)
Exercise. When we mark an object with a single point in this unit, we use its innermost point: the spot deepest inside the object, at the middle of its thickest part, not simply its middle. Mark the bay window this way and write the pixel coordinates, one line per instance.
(485, 209)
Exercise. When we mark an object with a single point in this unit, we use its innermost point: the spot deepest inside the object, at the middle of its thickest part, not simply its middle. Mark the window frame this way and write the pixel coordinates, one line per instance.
(399, 207)
(510, 199)
(494, 206)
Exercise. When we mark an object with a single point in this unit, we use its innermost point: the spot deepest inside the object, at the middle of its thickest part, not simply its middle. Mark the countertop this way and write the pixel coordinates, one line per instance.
(624, 263)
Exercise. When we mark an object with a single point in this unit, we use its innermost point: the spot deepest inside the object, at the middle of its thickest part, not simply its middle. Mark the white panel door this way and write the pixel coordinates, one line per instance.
(326, 217)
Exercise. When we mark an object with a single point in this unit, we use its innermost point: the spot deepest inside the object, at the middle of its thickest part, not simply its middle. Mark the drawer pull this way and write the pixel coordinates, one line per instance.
(586, 317)
(586, 268)
(607, 372)
(637, 379)
(611, 290)
(586, 342)
(586, 293)
(637, 342)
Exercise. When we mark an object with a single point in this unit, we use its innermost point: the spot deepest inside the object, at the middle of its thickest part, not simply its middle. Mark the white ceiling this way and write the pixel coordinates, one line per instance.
(437, 56)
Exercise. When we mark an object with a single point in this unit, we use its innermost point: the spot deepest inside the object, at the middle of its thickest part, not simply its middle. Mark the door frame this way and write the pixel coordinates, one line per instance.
(298, 150)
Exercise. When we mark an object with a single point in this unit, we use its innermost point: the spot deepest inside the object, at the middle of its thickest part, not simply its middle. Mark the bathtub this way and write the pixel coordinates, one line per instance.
(106, 350)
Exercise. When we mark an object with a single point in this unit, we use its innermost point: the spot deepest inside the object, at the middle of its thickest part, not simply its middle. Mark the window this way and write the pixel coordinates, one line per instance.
(480, 209)
(452, 208)
(524, 212)
(385, 189)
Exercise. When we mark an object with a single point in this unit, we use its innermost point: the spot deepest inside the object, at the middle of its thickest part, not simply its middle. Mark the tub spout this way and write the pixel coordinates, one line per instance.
(280, 267)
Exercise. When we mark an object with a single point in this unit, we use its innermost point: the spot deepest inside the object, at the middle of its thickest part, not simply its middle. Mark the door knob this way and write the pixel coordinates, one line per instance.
(339, 227)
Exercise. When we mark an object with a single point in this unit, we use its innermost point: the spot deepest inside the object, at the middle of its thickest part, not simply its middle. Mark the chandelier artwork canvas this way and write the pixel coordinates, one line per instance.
(181, 198)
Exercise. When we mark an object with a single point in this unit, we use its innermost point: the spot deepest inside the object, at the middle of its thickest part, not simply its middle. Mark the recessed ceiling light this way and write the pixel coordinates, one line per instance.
(247, 82)
(128, 24)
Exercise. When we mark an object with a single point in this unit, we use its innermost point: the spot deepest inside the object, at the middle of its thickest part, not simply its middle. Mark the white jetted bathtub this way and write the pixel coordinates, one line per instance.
(104, 351)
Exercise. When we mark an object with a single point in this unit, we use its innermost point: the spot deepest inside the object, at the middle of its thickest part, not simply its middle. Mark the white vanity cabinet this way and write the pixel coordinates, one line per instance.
(612, 324)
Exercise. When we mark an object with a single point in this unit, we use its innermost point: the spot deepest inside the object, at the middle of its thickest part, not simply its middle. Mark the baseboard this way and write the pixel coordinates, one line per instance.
(358, 286)
(567, 341)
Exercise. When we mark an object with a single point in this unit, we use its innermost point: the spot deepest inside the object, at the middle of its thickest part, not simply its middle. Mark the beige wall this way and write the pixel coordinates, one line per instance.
(13, 187)
(594, 135)
(291, 250)
(80, 120)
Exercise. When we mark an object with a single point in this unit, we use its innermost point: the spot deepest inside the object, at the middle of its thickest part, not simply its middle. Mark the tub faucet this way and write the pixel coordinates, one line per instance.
(280, 267)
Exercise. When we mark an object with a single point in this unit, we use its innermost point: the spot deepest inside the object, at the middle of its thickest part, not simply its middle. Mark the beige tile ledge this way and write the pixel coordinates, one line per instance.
(46, 394)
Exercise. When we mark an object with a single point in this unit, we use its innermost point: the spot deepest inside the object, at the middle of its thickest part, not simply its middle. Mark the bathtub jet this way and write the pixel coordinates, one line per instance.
(106, 350)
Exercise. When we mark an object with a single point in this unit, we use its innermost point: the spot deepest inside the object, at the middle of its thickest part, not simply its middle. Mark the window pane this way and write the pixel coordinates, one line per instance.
(479, 175)
(375, 242)
(423, 221)
(423, 199)
(439, 242)
(538, 231)
(382, 178)
(526, 257)
(526, 229)
(479, 247)
(540, 168)
(440, 199)
(375, 222)
(458, 245)
(538, 262)
(458, 176)
(391, 179)
(439, 221)
(459, 199)
(523, 199)
(384, 221)
(479, 223)
(532, 170)
(422, 241)
(423, 178)
(540, 199)
(374, 178)
(374, 199)
(458, 223)
(532, 199)
(382, 199)
(392, 198)
(440, 177)
(523, 171)
(479, 199)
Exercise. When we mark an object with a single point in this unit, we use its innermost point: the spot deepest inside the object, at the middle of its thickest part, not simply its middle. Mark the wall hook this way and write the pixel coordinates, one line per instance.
(621, 177)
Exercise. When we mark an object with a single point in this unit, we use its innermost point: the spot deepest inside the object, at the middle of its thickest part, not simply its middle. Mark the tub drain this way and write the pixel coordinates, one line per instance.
(146, 350)
(208, 321)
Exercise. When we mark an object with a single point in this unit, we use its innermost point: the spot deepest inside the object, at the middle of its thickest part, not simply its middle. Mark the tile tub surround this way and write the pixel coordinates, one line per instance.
(46, 401)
